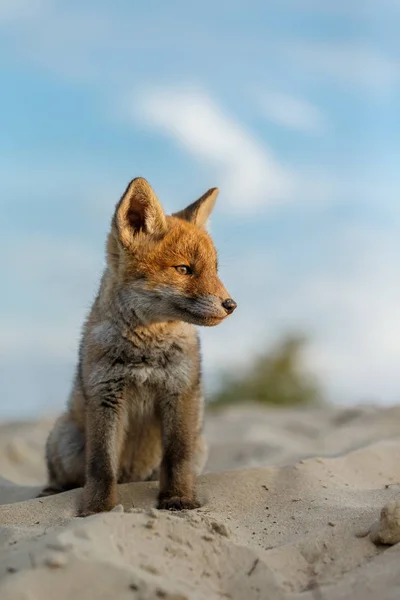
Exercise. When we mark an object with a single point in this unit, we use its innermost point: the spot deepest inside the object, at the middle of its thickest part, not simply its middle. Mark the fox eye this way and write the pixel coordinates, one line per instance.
(184, 270)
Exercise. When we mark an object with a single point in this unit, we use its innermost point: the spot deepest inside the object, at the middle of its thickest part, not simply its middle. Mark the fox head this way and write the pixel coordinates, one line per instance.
(165, 268)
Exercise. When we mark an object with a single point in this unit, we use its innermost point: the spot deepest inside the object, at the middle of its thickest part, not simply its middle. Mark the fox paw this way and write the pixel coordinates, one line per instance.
(88, 512)
(94, 508)
(177, 503)
(49, 491)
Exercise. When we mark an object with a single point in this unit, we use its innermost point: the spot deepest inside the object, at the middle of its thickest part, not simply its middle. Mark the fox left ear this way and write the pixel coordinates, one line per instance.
(139, 210)
(198, 212)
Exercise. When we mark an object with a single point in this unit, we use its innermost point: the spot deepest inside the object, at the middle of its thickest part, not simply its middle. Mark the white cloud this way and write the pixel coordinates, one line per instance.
(247, 171)
(291, 112)
(250, 176)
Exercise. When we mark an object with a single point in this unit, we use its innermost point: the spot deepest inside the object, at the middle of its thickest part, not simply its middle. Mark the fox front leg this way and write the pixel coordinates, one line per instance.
(177, 474)
(105, 436)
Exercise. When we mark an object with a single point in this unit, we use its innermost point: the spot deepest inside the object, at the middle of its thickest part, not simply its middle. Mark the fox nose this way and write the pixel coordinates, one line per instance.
(229, 305)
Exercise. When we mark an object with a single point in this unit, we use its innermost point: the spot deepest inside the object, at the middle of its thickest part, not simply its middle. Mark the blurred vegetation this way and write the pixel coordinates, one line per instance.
(276, 377)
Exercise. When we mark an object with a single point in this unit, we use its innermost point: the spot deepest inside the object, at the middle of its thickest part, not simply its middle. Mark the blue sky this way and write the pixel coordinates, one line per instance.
(290, 107)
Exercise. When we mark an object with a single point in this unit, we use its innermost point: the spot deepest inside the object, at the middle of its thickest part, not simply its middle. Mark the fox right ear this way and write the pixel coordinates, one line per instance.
(139, 210)
(199, 211)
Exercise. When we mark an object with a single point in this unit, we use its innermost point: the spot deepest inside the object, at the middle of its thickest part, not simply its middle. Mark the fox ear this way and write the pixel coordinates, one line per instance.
(198, 212)
(139, 210)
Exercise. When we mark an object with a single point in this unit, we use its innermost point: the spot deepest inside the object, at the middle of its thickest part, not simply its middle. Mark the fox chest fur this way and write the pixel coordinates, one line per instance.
(148, 365)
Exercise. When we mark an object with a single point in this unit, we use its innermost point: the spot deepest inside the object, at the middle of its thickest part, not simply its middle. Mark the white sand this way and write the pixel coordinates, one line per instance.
(288, 504)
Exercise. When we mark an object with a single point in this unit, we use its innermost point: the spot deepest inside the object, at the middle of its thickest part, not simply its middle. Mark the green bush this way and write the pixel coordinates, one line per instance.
(275, 377)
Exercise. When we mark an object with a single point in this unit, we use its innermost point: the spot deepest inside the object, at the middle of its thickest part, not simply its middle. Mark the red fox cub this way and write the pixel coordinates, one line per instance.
(135, 412)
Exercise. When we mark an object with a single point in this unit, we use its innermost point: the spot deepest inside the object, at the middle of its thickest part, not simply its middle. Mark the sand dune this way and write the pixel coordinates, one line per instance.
(288, 504)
